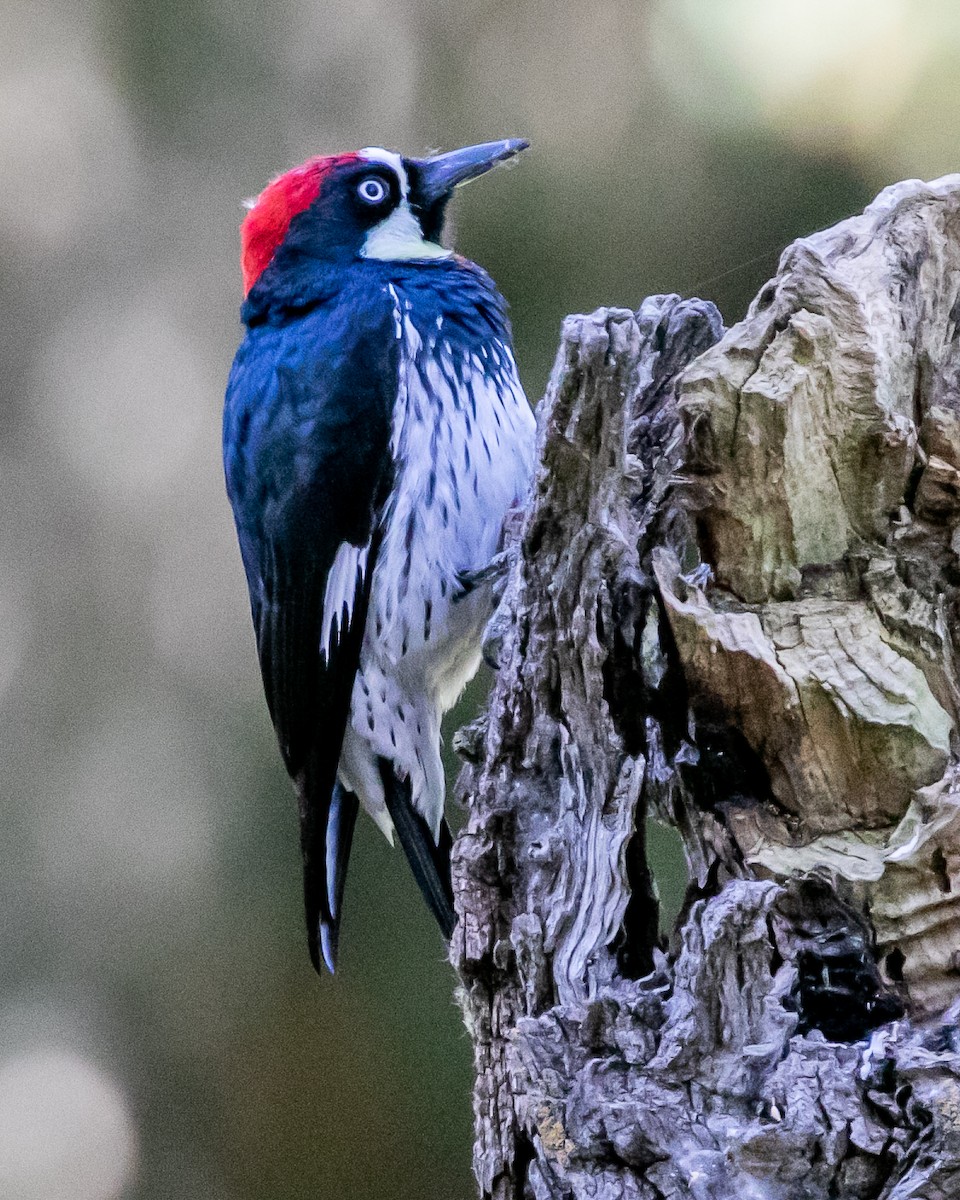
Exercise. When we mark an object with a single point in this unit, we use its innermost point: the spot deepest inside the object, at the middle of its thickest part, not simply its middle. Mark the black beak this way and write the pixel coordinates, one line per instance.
(433, 179)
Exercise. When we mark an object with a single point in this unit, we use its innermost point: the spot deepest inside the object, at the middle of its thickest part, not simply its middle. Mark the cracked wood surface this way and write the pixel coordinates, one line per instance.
(732, 607)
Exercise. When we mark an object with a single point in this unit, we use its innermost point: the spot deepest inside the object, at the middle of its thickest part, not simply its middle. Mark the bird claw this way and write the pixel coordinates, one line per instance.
(494, 572)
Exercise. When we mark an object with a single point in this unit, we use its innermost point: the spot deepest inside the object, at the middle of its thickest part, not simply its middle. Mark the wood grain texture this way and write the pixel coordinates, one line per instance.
(731, 605)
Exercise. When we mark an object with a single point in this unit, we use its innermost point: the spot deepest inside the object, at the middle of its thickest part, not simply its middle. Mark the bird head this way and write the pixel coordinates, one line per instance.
(372, 204)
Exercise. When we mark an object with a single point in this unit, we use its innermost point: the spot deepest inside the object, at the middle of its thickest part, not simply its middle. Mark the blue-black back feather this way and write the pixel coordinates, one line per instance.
(307, 424)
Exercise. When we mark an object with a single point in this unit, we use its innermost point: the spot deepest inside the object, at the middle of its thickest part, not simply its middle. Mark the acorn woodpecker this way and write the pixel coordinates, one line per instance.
(375, 435)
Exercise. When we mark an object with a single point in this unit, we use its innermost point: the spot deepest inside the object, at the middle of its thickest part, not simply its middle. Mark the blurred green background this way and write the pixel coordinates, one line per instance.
(161, 1033)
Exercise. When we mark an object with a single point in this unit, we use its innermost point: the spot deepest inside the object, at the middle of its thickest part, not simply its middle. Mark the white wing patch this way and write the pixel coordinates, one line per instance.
(343, 583)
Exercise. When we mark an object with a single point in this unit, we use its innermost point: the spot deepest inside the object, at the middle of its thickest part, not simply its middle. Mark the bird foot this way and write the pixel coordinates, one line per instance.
(494, 572)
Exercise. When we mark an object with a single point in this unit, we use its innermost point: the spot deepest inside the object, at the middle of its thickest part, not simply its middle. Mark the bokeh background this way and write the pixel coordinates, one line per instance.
(161, 1033)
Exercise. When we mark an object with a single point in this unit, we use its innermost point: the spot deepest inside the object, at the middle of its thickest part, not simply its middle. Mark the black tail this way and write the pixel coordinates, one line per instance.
(326, 837)
(429, 861)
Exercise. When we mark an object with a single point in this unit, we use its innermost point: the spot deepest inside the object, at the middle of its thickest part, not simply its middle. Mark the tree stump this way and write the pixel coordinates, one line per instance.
(731, 606)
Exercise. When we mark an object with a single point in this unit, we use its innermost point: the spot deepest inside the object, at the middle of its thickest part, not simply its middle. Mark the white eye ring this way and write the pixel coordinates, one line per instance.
(372, 190)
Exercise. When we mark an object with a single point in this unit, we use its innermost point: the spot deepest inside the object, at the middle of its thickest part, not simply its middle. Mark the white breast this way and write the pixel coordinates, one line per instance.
(463, 445)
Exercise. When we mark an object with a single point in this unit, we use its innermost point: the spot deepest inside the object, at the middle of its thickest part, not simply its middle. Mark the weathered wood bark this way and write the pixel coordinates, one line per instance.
(733, 607)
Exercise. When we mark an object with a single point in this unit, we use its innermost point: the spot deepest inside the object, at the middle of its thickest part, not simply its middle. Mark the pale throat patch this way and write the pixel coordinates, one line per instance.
(399, 236)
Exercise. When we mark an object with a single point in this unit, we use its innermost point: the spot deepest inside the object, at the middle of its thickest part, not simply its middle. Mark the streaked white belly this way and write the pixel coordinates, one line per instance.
(464, 453)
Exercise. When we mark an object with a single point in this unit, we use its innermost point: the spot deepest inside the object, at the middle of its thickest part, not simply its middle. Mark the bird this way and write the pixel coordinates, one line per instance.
(375, 435)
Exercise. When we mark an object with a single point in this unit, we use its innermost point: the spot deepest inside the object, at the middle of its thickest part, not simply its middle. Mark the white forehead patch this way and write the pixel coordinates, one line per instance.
(376, 154)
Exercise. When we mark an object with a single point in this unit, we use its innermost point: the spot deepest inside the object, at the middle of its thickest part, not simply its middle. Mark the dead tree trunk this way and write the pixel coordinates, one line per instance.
(733, 607)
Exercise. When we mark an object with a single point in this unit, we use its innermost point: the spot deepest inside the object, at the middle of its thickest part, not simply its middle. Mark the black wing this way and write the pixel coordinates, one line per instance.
(307, 453)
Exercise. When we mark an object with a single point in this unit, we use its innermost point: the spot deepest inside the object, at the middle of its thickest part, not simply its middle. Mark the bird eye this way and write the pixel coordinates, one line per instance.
(372, 190)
